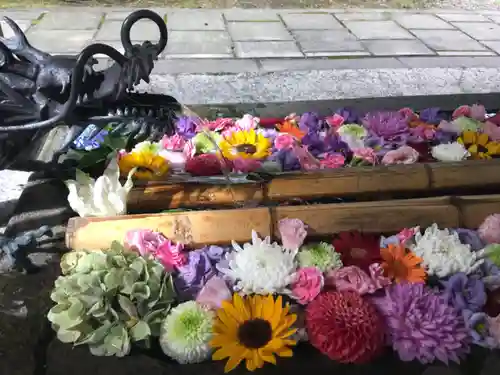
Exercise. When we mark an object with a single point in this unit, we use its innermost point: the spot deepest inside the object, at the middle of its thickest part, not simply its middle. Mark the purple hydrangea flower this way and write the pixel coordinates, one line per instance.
(287, 160)
(421, 325)
(432, 115)
(464, 293)
(470, 237)
(318, 144)
(186, 126)
(489, 273)
(193, 275)
(349, 115)
(442, 136)
(215, 253)
(478, 325)
(310, 122)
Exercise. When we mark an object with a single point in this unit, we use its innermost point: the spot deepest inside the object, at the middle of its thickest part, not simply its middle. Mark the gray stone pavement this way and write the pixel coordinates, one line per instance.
(266, 40)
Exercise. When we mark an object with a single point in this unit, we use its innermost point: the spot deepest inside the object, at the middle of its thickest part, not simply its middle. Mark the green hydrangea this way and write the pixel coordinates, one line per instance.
(492, 251)
(321, 255)
(206, 142)
(467, 124)
(110, 299)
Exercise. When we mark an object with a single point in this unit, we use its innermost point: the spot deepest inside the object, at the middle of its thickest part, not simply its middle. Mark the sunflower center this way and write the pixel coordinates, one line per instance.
(143, 169)
(481, 148)
(358, 253)
(246, 148)
(255, 333)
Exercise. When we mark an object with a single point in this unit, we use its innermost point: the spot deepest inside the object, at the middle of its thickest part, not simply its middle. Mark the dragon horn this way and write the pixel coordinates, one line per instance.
(19, 44)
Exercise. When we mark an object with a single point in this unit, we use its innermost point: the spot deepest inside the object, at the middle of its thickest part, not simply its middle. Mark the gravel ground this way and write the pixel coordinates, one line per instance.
(11, 185)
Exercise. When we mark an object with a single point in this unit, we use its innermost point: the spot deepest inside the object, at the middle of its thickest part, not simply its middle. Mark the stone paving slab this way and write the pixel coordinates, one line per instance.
(273, 33)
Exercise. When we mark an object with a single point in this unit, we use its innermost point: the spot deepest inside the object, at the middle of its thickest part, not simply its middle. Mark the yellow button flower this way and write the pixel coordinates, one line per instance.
(479, 145)
(150, 166)
(245, 144)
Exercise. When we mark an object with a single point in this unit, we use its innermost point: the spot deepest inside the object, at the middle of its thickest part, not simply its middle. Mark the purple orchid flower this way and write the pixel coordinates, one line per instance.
(432, 116)
(470, 237)
(349, 115)
(287, 160)
(310, 122)
(186, 126)
(465, 292)
(478, 325)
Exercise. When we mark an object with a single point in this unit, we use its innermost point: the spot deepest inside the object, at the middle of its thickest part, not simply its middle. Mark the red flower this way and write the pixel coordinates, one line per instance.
(345, 327)
(204, 165)
(358, 249)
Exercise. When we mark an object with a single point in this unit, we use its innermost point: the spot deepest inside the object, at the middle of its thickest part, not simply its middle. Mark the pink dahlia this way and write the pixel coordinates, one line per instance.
(421, 325)
(386, 125)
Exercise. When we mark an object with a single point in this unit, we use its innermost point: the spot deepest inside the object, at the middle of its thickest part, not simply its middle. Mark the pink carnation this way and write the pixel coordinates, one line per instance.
(173, 143)
(478, 112)
(189, 149)
(494, 329)
(406, 234)
(489, 230)
(408, 113)
(293, 232)
(219, 124)
(284, 141)
(247, 122)
(170, 254)
(144, 241)
(335, 121)
(246, 165)
(367, 154)
(308, 284)
(332, 161)
(462, 111)
(353, 278)
(403, 155)
(492, 130)
(307, 161)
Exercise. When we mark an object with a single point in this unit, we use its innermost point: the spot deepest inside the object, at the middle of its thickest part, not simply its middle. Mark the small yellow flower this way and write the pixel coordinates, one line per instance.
(479, 145)
(252, 329)
(246, 144)
(150, 166)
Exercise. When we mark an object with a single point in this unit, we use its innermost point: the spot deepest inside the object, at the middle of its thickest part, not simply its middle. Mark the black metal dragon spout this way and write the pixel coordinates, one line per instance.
(39, 91)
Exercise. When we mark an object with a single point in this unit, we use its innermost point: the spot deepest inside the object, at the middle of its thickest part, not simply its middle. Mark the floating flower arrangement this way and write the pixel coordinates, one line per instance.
(429, 294)
(308, 142)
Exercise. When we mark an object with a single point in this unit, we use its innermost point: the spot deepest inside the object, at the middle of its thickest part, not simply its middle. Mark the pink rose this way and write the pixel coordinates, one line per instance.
(170, 254)
(219, 124)
(284, 141)
(406, 234)
(213, 293)
(477, 112)
(462, 111)
(366, 154)
(307, 161)
(492, 130)
(332, 161)
(247, 122)
(293, 232)
(246, 165)
(307, 285)
(403, 155)
(489, 230)
(173, 143)
(351, 278)
(335, 121)
(144, 241)
(408, 113)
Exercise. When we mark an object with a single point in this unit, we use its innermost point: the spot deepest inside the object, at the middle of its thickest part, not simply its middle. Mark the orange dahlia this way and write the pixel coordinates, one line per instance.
(290, 128)
(401, 264)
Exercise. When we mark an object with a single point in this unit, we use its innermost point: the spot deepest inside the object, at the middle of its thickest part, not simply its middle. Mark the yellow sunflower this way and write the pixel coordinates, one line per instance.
(254, 329)
(479, 145)
(150, 166)
(246, 144)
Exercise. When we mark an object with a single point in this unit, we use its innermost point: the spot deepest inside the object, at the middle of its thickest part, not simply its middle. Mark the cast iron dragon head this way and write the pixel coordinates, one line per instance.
(39, 91)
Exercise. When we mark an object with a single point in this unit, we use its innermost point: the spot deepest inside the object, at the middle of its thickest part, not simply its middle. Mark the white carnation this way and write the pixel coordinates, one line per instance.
(260, 267)
(443, 254)
(450, 152)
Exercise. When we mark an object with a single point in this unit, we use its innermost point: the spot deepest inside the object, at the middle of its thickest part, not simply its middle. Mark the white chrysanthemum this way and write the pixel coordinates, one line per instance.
(443, 254)
(450, 152)
(186, 333)
(260, 267)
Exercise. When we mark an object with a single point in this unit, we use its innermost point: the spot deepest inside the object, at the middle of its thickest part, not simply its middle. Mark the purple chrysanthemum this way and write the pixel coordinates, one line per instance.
(186, 126)
(387, 125)
(464, 292)
(421, 325)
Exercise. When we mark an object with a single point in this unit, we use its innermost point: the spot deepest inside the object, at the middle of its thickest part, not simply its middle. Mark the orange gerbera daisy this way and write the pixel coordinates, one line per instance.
(291, 128)
(401, 264)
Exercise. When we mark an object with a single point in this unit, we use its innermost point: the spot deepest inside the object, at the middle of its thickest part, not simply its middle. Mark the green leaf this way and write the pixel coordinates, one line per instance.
(140, 331)
(96, 336)
(68, 336)
(128, 281)
(93, 157)
(127, 306)
(115, 142)
(113, 279)
(140, 291)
